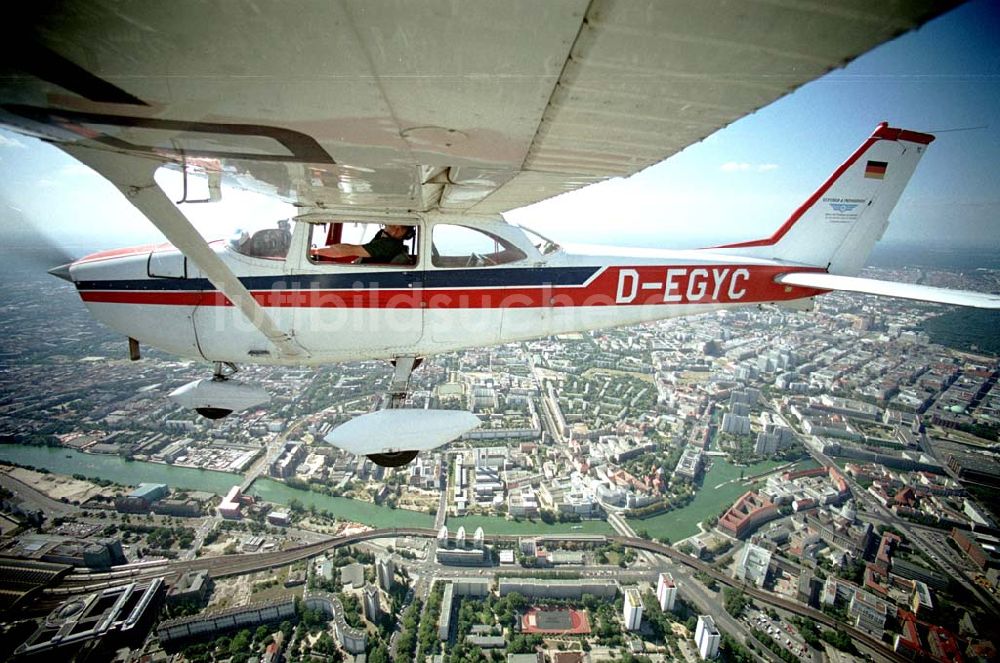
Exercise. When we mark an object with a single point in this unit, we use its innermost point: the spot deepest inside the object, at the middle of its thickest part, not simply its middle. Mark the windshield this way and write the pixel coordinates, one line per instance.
(272, 243)
(544, 245)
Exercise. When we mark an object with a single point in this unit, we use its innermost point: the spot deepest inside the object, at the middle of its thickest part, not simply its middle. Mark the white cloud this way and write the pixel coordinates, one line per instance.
(765, 167)
(11, 142)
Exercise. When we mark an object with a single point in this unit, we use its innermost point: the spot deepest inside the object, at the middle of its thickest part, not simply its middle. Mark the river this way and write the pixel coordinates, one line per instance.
(708, 501)
(677, 524)
(114, 468)
(342, 507)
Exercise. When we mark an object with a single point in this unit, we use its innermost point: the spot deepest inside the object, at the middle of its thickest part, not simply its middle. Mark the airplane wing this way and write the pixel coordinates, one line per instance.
(474, 106)
(891, 289)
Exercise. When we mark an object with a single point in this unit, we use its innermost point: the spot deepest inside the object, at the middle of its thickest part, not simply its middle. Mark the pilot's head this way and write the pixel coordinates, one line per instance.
(399, 232)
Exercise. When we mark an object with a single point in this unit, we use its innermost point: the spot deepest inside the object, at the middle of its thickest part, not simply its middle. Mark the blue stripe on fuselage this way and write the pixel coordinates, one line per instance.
(484, 277)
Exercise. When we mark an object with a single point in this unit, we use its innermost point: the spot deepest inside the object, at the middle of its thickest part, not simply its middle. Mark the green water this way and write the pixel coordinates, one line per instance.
(676, 525)
(497, 525)
(117, 469)
(708, 501)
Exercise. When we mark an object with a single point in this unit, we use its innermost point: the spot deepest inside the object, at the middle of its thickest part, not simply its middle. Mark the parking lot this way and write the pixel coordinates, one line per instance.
(780, 630)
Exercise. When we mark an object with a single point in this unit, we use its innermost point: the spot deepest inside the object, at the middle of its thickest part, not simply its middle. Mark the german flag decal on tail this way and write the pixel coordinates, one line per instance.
(876, 170)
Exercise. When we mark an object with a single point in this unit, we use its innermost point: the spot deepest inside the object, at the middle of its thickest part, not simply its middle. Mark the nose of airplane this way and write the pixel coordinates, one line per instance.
(62, 271)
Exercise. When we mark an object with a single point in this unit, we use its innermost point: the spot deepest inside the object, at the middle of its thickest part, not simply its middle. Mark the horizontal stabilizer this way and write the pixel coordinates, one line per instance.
(395, 430)
(924, 293)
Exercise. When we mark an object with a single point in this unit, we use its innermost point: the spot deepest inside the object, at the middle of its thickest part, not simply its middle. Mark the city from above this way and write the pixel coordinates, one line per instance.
(312, 385)
(756, 484)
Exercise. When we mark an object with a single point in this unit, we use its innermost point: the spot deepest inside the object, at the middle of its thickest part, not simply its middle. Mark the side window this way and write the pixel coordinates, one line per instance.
(461, 246)
(394, 245)
(270, 243)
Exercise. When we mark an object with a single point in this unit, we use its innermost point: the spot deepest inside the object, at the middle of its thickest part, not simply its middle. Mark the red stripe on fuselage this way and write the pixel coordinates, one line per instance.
(615, 286)
(121, 253)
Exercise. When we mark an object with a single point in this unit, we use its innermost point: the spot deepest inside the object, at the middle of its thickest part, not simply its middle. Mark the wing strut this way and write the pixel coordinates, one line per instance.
(134, 177)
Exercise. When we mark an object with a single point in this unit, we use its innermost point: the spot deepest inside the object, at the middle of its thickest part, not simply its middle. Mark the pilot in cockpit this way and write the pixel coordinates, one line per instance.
(387, 247)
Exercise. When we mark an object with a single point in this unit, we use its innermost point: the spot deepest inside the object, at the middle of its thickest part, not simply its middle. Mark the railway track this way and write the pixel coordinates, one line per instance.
(229, 565)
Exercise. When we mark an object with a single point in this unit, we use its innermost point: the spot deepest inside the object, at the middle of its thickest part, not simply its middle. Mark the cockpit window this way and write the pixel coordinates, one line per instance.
(363, 243)
(271, 243)
(461, 246)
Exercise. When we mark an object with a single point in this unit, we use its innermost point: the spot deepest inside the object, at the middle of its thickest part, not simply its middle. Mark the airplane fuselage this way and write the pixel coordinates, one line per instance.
(344, 312)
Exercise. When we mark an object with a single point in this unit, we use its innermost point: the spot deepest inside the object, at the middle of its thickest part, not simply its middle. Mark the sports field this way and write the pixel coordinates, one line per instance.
(555, 620)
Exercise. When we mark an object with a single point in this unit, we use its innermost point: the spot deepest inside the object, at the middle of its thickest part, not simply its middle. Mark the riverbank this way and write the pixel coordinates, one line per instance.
(56, 486)
(67, 462)
(344, 508)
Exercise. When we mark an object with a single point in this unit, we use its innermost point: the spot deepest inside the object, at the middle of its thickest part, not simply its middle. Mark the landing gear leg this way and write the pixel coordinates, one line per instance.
(398, 391)
(223, 371)
(397, 459)
(400, 386)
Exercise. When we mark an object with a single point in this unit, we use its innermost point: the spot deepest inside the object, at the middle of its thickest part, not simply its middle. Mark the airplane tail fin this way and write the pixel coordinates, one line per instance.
(837, 227)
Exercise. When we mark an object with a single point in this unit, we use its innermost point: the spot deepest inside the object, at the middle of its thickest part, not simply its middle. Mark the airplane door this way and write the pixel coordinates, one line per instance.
(345, 311)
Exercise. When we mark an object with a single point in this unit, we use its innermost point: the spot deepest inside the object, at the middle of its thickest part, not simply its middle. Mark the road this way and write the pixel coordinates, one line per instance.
(710, 604)
(623, 528)
(442, 512)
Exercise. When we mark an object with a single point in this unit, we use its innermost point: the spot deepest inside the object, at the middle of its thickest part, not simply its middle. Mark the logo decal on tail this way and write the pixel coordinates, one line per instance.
(843, 210)
(843, 207)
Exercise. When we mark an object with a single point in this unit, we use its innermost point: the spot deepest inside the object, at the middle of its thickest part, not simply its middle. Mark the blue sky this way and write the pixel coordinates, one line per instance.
(743, 181)
(740, 183)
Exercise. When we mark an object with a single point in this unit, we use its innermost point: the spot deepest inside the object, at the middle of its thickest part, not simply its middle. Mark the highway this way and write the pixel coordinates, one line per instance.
(762, 596)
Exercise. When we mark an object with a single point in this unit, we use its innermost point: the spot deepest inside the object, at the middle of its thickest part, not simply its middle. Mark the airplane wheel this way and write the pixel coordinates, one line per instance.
(213, 412)
(397, 459)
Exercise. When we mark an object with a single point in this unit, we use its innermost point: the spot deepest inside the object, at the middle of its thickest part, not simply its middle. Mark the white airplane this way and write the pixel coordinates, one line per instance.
(431, 119)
